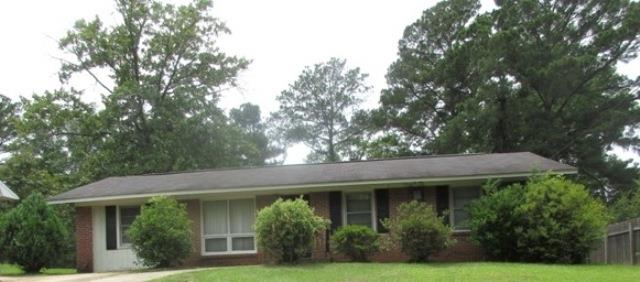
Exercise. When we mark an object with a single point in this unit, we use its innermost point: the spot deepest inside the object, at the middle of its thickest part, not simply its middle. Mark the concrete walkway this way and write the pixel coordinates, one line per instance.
(96, 277)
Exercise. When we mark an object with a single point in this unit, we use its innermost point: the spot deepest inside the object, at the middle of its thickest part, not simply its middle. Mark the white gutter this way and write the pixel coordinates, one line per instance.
(290, 187)
(6, 193)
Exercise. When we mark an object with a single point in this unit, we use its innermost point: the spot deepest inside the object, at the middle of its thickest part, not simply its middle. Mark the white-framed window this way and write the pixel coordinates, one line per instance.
(459, 200)
(227, 226)
(125, 216)
(359, 209)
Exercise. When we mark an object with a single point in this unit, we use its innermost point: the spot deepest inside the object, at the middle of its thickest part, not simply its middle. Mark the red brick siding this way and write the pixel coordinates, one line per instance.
(193, 212)
(84, 239)
(463, 250)
(264, 200)
(320, 203)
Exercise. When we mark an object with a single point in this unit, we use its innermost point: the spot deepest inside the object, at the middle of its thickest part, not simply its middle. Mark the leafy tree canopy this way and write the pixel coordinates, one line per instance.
(531, 75)
(55, 146)
(627, 206)
(8, 113)
(163, 79)
(161, 74)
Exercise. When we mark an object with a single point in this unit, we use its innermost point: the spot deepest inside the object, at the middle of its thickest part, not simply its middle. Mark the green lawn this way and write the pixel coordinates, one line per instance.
(415, 272)
(14, 270)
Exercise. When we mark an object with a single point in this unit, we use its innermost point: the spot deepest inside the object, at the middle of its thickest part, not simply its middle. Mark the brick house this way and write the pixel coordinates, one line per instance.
(222, 204)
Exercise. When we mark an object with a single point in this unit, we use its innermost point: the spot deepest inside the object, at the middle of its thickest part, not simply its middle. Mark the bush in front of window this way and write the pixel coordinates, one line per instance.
(160, 236)
(419, 231)
(549, 219)
(357, 242)
(286, 230)
(32, 235)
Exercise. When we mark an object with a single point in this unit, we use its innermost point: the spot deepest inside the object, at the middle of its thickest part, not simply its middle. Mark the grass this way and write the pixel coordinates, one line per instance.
(14, 270)
(414, 272)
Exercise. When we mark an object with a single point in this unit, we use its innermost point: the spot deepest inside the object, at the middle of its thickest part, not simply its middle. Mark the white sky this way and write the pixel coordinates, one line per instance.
(279, 36)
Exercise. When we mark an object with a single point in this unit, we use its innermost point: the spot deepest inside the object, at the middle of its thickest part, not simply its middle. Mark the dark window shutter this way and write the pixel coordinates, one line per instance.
(442, 200)
(112, 242)
(335, 209)
(382, 208)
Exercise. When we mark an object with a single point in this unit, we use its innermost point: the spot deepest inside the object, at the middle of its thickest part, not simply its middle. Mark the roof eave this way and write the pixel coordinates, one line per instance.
(290, 187)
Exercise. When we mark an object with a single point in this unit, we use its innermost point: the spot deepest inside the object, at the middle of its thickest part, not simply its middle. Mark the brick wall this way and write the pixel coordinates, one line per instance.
(193, 212)
(463, 250)
(84, 239)
(320, 203)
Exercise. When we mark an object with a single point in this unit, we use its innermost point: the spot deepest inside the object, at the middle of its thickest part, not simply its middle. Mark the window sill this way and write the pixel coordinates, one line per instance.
(232, 253)
(462, 232)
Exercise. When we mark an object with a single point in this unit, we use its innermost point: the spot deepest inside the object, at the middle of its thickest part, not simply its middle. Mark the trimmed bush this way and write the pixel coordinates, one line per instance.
(286, 230)
(161, 234)
(356, 242)
(550, 219)
(32, 235)
(419, 231)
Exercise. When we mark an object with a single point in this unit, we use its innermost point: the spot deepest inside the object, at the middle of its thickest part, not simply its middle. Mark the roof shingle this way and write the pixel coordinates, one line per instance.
(440, 166)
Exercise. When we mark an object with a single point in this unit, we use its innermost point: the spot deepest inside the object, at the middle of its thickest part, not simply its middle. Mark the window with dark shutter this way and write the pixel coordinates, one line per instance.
(382, 208)
(442, 201)
(112, 231)
(335, 209)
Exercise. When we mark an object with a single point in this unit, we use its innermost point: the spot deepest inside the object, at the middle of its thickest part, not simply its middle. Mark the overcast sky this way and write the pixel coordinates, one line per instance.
(279, 36)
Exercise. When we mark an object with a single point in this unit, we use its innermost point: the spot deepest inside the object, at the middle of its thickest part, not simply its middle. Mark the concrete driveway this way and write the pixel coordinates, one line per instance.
(96, 277)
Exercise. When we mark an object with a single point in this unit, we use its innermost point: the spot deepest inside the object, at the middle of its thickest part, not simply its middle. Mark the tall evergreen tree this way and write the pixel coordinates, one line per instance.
(531, 75)
(319, 109)
(257, 148)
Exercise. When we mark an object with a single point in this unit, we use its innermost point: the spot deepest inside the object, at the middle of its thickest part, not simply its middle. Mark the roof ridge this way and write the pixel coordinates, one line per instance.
(271, 166)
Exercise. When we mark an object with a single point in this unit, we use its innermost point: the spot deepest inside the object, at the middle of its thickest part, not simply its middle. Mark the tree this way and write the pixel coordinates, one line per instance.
(57, 137)
(627, 206)
(33, 236)
(253, 132)
(163, 77)
(8, 113)
(318, 107)
(55, 147)
(161, 234)
(534, 76)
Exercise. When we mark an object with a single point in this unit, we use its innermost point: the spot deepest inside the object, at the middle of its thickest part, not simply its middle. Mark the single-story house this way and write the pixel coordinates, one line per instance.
(222, 203)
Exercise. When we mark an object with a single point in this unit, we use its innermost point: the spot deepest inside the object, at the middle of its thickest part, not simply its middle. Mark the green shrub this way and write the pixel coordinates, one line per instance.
(419, 231)
(161, 234)
(286, 230)
(550, 219)
(356, 241)
(32, 234)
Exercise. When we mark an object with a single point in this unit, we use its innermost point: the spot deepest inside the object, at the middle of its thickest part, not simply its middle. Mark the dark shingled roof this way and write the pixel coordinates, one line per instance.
(424, 167)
